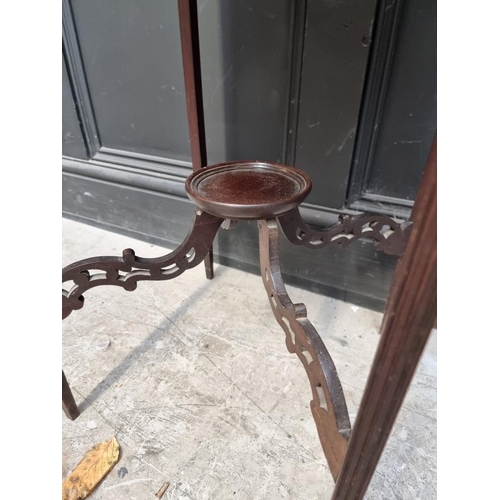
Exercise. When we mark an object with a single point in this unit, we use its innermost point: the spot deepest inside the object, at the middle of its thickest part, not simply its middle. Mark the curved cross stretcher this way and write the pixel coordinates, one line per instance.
(270, 193)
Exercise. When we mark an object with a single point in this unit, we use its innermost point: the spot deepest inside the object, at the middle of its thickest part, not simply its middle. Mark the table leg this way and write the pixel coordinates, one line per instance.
(127, 270)
(409, 317)
(191, 62)
(68, 401)
(328, 405)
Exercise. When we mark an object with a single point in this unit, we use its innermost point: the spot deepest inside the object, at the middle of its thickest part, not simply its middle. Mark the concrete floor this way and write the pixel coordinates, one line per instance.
(194, 379)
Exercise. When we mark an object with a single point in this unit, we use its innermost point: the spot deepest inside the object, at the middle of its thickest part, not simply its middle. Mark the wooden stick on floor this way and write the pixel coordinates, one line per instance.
(409, 317)
(191, 61)
(68, 401)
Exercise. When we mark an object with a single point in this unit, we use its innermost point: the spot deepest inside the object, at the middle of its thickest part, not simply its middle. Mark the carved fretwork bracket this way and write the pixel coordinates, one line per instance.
(127, 270)
(328, 405)
(390, 236)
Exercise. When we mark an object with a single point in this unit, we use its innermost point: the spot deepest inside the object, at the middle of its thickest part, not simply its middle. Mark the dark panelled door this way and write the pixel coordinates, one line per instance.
(343, 90)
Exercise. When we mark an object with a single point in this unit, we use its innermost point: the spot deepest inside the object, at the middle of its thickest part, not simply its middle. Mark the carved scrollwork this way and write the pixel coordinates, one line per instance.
(328, 405)
(390, 236)
(127, 270)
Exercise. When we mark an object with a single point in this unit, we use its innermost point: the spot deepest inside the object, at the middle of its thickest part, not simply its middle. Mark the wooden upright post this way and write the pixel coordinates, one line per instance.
(409, 317)
(191, 62)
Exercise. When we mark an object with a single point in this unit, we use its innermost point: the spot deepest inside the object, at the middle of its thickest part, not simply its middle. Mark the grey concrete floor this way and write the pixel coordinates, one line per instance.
(194, 378)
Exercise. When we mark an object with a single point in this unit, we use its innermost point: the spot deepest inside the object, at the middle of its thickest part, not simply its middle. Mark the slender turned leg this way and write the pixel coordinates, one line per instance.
(127, 270)
(409, 317)
(328, 404)
(209, 264)
(191, 62)
(68, 401)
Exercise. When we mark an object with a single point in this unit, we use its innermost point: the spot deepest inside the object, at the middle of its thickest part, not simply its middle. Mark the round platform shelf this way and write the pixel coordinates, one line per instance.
(248, 190)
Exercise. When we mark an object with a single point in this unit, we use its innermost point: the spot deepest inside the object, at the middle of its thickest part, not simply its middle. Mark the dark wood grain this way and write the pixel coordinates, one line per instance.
(191, 63)
(248, 189)
(328, 405)
(408, 321)
(127, 270)
(266, 191)
(188, 20)
(68, 401)
(389, 236)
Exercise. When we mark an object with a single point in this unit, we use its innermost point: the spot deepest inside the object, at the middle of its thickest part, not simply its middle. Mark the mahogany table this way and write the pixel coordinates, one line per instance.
(271, 194)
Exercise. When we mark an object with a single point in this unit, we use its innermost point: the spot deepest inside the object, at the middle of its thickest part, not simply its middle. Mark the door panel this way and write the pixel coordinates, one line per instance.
(246, 59)
(335, 58)
(398, 118)
(72, 138)
(409, 120)
(130, 52)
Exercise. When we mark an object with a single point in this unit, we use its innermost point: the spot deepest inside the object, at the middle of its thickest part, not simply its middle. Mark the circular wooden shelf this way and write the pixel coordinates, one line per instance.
(248, 189)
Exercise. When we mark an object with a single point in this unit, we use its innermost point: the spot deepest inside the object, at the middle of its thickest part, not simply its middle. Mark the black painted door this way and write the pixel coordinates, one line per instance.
(345, 91)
